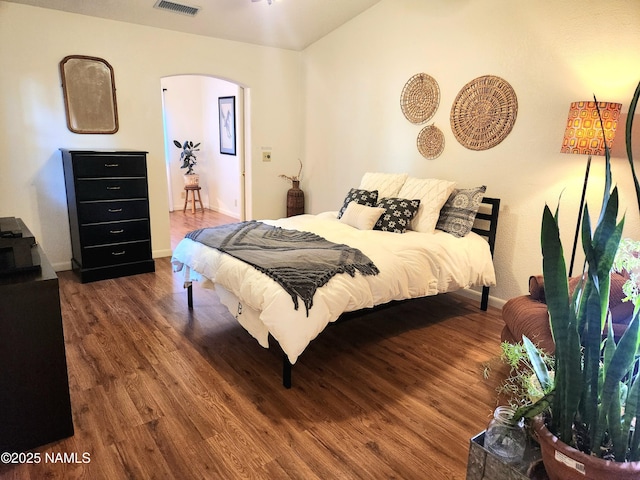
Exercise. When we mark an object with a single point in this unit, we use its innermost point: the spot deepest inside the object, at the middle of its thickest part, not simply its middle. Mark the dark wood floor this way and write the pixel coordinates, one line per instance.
(160, 392)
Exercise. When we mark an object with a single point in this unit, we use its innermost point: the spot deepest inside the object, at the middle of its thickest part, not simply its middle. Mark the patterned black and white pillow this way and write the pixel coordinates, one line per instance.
(362, 197)
(459, 211)
(398, 214)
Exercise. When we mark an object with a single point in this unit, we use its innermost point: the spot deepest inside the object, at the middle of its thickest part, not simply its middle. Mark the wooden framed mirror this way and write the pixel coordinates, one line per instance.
(89, 94)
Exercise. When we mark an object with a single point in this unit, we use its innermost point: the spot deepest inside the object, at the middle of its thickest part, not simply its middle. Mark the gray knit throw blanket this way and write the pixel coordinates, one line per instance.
(301, 262)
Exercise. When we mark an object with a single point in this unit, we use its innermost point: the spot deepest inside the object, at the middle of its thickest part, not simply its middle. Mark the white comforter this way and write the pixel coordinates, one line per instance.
(411, 265)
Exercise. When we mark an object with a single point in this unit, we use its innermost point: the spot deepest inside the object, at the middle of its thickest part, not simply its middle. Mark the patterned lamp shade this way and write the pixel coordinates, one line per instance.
(584, 133)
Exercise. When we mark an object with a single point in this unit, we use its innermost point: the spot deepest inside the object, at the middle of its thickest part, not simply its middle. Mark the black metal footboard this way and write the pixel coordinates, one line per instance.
(486, 225)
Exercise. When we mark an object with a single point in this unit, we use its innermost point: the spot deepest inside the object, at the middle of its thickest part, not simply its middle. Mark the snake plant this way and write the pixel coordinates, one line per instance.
(596, 386)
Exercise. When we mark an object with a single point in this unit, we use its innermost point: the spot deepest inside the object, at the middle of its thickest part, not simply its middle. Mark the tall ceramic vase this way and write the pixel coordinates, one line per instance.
(295, 200)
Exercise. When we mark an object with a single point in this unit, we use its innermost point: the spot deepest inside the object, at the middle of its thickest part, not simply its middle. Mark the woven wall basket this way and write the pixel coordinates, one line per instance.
(484, 112)
(430, 142)
(420, 98)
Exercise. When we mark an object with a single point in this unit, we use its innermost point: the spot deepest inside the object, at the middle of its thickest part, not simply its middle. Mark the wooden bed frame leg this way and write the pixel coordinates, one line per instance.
(485, 299)
(190, 296)
(286, 371)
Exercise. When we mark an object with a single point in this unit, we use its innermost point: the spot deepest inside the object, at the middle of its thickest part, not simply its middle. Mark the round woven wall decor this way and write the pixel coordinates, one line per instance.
(420, 98)
(430, 142)
(484, 112)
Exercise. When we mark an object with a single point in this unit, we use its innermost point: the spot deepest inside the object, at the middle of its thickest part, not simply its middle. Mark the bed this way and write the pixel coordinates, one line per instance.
(419, 258)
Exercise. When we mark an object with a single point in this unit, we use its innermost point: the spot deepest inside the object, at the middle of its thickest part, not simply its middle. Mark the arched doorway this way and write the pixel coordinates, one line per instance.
(190, 112)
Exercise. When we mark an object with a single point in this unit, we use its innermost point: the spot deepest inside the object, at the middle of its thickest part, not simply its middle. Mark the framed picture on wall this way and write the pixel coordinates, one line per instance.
(227, 110)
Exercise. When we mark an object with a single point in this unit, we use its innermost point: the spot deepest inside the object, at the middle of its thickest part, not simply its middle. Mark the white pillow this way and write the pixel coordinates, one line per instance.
(361, 216)
(387, 184)
(433, 194)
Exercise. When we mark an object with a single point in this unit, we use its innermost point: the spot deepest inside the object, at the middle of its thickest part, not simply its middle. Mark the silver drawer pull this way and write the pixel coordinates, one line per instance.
(111, 165)
(114, 210)
(113, 188)
(115, 232)
(116, 254)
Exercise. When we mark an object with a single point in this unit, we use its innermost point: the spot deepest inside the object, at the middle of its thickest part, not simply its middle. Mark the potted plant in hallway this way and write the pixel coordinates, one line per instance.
(188, 159)
(586, 425)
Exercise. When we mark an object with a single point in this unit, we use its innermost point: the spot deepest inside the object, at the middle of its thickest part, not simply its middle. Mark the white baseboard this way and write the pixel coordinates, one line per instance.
(161, 253)
(226, 212)
(62, 266)
(476, 295)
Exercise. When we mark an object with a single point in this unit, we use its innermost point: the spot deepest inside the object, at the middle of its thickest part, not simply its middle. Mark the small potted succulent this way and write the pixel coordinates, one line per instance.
(188, 159)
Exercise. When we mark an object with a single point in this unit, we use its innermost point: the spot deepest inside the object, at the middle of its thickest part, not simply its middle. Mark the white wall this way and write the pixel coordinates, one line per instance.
(183, 114)
(336, 107)
(552, 53)
(191, 113)
(32, 119)
(224, 181)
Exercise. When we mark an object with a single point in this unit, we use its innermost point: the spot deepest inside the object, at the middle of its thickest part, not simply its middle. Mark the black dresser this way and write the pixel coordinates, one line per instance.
(108, 204)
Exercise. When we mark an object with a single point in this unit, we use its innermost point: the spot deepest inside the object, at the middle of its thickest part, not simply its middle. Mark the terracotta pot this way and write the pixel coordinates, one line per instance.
(563, 462)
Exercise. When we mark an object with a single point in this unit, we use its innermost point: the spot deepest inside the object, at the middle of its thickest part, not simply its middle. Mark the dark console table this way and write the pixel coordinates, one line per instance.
(35, 407)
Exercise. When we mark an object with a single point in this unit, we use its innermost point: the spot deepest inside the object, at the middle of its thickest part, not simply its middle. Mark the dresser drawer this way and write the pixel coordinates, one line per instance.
(111, 188)
(112, 211)
(133, 165)
(115, 232)
(115, 254)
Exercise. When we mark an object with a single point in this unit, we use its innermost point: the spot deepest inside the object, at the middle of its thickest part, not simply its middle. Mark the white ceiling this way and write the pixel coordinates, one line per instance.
(289, 24)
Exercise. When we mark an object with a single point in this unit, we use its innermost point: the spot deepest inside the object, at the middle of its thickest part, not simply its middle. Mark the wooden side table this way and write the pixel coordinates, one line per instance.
(194, 189)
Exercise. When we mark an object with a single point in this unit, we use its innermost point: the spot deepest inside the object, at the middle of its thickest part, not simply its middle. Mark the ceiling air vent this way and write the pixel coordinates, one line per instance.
(177, 7)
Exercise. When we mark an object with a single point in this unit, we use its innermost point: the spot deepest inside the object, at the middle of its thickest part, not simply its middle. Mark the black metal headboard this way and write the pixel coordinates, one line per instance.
(486, 224)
